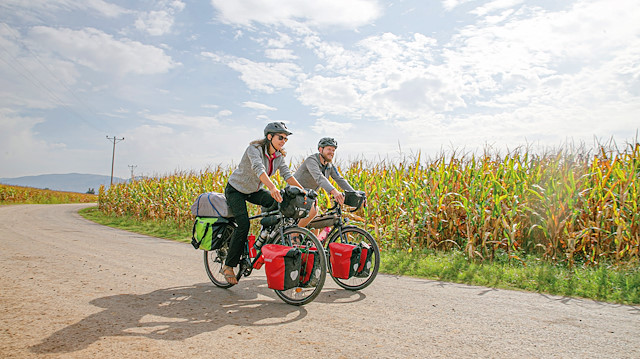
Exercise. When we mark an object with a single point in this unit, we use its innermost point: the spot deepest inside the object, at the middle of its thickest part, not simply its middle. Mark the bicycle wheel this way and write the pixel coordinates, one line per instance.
(356, 235)
(214, 260)
(303, 239)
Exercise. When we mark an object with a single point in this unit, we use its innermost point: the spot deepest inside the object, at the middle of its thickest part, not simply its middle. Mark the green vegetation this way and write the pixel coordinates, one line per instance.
(28, 195)
(601, 282)
(156, 228)
(565, 206)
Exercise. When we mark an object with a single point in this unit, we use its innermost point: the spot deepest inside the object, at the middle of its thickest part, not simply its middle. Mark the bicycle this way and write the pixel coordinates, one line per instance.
(278, 229)
(341, 232)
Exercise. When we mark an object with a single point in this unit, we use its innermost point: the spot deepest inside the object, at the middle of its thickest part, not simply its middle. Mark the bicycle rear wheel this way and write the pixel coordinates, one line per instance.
(214, 260)
(356, 235)
(304, 240)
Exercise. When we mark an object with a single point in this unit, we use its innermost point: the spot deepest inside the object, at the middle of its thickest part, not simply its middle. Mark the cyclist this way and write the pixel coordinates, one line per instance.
(315, 172)
(261, 159)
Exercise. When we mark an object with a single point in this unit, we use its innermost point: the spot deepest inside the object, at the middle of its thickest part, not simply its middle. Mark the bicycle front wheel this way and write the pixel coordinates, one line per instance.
(357, 235)
(214, 260)
(307, 242)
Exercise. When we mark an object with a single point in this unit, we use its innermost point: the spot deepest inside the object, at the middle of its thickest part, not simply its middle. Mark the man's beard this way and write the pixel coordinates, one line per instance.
(325, 158)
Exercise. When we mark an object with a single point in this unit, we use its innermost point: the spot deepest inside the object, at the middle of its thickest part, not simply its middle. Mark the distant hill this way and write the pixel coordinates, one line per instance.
(71, 182)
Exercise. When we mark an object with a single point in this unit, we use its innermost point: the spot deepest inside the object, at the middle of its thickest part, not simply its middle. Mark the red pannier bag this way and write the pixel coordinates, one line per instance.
(345, 259)
(282, 266)
(364, 268)
(310, 271)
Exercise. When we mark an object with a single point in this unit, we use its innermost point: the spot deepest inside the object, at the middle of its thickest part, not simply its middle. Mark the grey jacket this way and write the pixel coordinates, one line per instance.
(312, 174)
(255, 162)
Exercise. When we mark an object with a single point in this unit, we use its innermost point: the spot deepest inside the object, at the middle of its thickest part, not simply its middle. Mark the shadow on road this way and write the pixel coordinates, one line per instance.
(339, 296)
(172, 314)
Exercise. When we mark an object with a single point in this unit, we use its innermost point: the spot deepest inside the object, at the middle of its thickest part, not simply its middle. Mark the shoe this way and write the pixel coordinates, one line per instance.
(229, 275)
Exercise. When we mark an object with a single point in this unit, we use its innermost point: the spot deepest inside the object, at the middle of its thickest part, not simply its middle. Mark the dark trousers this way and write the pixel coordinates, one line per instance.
(237, 201)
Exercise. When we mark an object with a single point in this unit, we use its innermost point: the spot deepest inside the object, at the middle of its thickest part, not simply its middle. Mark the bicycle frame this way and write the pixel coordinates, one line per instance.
(283, 223)
(336, 227)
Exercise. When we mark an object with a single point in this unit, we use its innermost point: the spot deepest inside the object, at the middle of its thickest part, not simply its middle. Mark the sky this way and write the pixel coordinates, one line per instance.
(188, 84)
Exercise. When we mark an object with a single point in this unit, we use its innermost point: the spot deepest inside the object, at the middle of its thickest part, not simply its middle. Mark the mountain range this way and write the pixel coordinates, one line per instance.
(70, 182)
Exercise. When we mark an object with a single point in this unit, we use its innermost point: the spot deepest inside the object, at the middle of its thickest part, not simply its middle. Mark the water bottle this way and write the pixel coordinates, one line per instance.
(323, 234)
(263, 237)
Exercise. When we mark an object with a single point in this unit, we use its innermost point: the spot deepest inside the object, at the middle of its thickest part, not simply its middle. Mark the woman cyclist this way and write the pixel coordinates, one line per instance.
(261, 160)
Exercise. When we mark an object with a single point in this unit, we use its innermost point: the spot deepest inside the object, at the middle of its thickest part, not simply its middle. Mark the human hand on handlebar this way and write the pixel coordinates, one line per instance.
(275, 193)
(339, 196)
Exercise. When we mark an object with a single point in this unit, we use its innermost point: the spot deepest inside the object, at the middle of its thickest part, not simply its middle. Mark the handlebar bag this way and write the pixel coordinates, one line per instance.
(354, 198)
(282, 266)
(207, 233)
(364, 267)
(310, 270)
(211, 204)
(345, 259)
(296, 202)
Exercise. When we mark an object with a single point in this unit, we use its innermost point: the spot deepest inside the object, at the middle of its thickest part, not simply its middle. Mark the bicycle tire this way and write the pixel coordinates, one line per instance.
(353, 234)
(303, 295)
(213, 260)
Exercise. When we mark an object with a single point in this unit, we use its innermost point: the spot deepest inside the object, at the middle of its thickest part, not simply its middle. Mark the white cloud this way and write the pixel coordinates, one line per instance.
(156, 23)
(258, 106)
(37, 10)
(491, 81)
(22, 154)
(343, 13)
(29, 79)
(327, 127)
(99, 51)
(495, 5)
(262, 76)
(280, 54)
(180, 119)
(159, 22)
(452, 4)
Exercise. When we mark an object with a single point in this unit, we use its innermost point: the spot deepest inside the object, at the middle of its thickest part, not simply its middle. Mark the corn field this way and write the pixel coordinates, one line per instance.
(16, 194)
(563, 206)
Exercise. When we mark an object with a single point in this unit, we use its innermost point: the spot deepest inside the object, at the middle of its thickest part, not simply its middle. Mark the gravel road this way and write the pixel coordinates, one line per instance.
(71, 288)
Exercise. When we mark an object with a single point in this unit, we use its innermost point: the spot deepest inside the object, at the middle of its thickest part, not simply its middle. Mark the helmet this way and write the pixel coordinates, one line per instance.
(328, 141)
(276, 127)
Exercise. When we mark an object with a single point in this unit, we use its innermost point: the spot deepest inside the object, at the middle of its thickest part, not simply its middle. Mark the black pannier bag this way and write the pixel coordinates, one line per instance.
(364, 269)
(296, 202)
(310, 270)
(354, 198)
(282, 266)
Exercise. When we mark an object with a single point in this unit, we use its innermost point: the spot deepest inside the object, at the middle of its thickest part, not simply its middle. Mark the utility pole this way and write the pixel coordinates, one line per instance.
(113, 155)
(132, 167)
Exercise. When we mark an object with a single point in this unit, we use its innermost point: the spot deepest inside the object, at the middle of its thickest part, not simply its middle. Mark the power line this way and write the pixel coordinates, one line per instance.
(113, 155)
(23, 71)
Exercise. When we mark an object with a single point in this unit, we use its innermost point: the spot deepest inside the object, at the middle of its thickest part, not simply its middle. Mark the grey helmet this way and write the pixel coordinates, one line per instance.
(276, 127)
(328, 141)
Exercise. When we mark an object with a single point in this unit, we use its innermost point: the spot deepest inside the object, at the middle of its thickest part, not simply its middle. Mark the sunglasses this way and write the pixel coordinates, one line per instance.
(281, 137)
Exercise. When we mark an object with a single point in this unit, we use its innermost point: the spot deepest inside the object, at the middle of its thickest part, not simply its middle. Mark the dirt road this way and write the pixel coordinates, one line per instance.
(70, 288)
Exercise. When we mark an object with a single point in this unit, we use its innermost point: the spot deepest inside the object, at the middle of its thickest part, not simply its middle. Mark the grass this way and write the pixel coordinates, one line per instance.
(159, 228)
(602, 283)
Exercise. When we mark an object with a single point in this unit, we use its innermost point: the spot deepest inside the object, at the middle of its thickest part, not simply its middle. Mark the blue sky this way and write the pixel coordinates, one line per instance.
(189, 83)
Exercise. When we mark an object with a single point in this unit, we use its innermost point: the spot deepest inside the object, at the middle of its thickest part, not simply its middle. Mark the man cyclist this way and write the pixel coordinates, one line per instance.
(315, 172)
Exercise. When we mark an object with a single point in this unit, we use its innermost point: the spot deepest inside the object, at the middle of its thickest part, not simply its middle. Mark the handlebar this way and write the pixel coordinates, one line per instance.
(357, 194)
